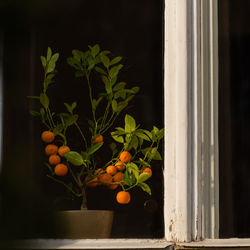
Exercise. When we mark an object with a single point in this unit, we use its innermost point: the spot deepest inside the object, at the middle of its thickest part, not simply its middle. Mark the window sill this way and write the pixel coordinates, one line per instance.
(87, 244)
(232, 242)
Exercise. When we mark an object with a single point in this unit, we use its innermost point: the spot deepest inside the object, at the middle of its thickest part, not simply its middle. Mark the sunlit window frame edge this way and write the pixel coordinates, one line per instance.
(191, 112)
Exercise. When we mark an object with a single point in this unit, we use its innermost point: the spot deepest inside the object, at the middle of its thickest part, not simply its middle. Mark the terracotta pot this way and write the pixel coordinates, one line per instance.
(83, 224)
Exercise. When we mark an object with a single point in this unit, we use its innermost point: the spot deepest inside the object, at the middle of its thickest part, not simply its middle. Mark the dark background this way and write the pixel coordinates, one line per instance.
(234, 123)
(131, 29)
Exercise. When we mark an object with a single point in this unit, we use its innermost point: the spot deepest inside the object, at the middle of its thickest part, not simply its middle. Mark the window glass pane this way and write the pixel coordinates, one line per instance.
(234, 87)
(132, 30)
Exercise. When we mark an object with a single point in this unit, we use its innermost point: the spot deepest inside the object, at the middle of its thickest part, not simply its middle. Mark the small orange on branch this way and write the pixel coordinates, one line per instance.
(51, 149)
(47, 136)
(61, 169)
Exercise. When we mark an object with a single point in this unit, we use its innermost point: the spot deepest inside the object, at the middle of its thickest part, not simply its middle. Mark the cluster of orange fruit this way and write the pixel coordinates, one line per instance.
(113, 177)
(55, 153)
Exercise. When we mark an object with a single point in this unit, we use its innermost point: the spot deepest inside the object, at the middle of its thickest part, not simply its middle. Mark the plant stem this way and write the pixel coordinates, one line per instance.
(90, 96)
(84, 200)
(80, 131)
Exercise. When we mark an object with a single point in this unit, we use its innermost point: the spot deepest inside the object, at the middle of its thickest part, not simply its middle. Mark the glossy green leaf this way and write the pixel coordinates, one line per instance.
(119, 86)
(100, 70)
(52, 63)
(115, 70)
(130, 124)
(132, 168)
(44, 100)
(145, 187)
(105, 60)
(143, 177)
(44, 62)
(49, 53)
(115, 60)
(117, 138)
(129, 178)
(94, 148)
(74, 158)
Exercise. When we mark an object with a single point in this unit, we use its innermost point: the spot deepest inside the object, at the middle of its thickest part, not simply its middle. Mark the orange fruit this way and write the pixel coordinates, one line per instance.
(51, 149)
(54, 159)
(98, 139)
(118, 177)
(63, 150)
(123, 197)
(112, 186)
(125, 156)
(61, 169)
(147, 170)
(105, 177)
(93, 183)
(120, 166)
(47, 136)
(111, 169)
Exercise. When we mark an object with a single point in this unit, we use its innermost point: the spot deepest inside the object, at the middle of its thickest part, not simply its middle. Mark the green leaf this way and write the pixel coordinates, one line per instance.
(117, 138)
(74, 63)
(42, 112)
(132, 168)
(144, 163)
(130, 124)
(44, 100)
(121, 106)
(148, 133)
(135, 90)
(142, 135)
(52, 63)
(34, 113)
(69, 119)
(114, 105)
(161, 134)
(100, 70)
(49, 53)
(68, 107)
(120, 93)
(115, 60)
(119, 86)
(133, 143)
(94, 148)
(105, 60)
(95, 50)
(145, 187)
(115, 70)
(77, 54)
(157, 156)
(74, 158)
(143, 177)
(107, 83)
(73, 105)
(44, 62)
(129, 178)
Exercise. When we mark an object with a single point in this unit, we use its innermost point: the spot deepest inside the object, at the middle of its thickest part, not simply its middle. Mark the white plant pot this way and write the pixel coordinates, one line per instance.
(83, 224)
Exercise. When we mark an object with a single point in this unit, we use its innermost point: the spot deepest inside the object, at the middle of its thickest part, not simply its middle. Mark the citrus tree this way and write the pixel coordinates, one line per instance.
(133, 147)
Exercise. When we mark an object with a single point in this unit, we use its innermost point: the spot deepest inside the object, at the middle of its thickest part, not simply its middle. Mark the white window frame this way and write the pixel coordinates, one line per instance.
(191, 198)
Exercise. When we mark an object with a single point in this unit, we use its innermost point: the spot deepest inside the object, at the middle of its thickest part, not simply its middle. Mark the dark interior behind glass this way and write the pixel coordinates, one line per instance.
(234, 113)
(131, 29)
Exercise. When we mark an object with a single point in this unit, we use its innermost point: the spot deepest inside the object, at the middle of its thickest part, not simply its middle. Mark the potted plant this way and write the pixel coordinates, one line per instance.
(133, 147)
